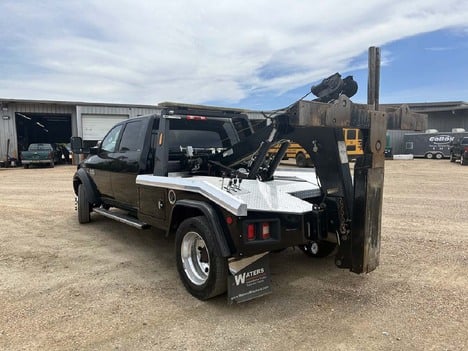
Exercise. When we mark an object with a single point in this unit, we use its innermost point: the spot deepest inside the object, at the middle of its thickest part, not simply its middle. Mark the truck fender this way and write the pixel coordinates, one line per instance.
(221, 245)
(81, 177)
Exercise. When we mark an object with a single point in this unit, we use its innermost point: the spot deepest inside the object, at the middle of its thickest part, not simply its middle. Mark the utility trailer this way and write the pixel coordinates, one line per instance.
(432, 145)
(203, 175)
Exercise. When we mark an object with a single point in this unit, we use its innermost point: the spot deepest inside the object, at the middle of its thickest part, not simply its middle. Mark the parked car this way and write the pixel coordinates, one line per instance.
(39, 153)
(459, 150)
(64, 153)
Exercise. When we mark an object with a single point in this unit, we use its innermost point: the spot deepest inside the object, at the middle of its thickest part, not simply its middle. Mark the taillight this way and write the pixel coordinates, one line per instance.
(251, 232)
(258, 231)
(196, 118)
(265, 230)
(466, 148)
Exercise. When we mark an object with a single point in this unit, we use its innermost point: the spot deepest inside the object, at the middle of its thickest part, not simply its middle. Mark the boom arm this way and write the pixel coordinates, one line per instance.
(318, 128)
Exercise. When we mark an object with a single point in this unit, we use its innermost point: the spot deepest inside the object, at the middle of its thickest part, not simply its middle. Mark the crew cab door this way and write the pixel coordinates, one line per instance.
(99, 166)
(126, 162)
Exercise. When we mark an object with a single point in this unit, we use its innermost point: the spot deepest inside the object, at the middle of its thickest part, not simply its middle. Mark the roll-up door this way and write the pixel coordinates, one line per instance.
(95, 127)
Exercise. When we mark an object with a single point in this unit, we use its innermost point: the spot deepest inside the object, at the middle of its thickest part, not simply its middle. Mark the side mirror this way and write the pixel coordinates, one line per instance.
(76, 145)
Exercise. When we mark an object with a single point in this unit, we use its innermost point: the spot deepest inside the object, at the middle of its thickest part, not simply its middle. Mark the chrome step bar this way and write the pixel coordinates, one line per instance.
(120, 217)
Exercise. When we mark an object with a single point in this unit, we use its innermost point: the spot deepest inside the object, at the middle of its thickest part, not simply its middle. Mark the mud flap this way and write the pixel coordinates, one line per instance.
(249, 278)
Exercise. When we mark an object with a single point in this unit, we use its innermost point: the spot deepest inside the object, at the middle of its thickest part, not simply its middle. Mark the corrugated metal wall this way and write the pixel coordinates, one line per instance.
(117, 110)
(7, 130)
(446, 121)
(129, 112)
(9, 109)
(8, 126)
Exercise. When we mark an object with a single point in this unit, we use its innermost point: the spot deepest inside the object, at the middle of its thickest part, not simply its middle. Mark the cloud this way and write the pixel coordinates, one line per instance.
(440, 48)
(192, 51)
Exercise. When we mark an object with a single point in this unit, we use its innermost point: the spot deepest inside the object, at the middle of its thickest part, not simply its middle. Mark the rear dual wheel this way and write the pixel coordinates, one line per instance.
(202, 271)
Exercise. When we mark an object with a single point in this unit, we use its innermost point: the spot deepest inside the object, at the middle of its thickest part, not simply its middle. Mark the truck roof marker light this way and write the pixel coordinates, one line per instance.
(265, 230)
(229, 220)
(196, 118)
(251, 232)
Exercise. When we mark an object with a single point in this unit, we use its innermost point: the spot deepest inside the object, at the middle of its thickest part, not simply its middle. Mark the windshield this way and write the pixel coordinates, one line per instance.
(40, 147)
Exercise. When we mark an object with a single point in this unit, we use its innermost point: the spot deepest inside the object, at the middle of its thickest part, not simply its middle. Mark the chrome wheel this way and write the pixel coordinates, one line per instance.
(314, 248)
(195, 258)
(202, 270)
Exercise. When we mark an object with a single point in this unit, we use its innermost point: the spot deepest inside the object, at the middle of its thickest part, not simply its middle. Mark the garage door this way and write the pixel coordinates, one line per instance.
(95, 127)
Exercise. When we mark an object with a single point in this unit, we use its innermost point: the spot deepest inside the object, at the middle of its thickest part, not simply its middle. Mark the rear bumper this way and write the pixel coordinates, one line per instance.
(28, 162)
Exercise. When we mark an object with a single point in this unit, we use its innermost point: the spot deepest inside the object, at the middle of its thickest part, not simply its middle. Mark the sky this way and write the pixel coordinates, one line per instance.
(252, 54)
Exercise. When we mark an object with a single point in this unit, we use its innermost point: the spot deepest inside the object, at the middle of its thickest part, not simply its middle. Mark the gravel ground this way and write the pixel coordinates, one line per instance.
(106, 286)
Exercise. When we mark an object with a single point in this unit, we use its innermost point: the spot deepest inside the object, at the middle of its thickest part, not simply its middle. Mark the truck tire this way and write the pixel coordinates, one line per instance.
(463, 162)
(429, 155)
(84, 207)
(439, 156)
(318, 249)
(52, 164)
(301, 160)
(26, 166)
(203, 273)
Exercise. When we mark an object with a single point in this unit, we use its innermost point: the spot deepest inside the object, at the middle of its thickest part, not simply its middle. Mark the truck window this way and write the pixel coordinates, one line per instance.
(202, 134)
(109, 142)
(132, 137)
(351, 134)
(195, 138)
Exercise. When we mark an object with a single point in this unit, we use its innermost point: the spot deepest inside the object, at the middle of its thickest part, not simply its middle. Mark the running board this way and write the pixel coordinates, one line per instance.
(131, 221)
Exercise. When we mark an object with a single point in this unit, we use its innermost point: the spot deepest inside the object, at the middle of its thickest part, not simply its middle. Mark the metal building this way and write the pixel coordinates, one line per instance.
(443, 116)
(31, 121)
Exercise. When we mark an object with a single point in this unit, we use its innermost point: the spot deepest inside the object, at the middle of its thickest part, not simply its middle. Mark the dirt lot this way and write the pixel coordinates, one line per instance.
(105, 286)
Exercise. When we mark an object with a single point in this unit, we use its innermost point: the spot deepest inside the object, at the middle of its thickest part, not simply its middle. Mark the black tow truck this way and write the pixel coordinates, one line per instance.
(206, 176)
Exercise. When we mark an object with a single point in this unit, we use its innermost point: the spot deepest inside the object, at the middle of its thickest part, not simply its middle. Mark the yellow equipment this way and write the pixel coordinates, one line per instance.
(353, 141)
